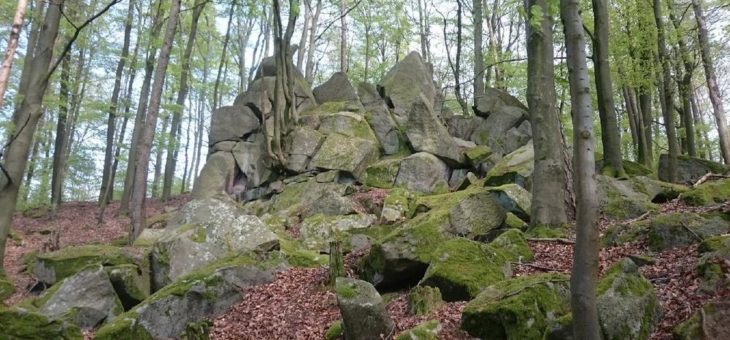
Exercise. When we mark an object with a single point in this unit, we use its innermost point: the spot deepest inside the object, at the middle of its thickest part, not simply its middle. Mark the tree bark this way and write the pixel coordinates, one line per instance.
(309, 72)
(112, 118)
(667, 111)
(223, 57)
(59, 161)
(711, 79)
(160, 147)
(343, 36)
(173, 145)
(477, 17)
(12, 45)
(585, 258)
(548, 194)
(610, 138)
(139, 193)
(18, 147)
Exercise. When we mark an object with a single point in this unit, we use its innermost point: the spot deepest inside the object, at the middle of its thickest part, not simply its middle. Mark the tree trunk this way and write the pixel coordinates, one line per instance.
(12, 45)
(309, 72)
(59, 161)
(478, 53)
(160, 148)
(139, 192)
(610, 138)
(33, 161)
(111, 120)
(632, 115)
(343, 36)
(141, 112)
(223, 57)
(305, 31)
(174, 145)
(548, 194)
(712, 88)
(585, 257)
(667, 111)
(16, 154)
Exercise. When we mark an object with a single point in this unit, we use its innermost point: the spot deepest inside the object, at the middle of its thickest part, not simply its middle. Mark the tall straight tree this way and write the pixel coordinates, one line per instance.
(343, 36)
(666, 94)
(139, 191)
(477, 17)
(112, 115)
(711, 78)
(611, 141)
(223, 56)
(59, 147)
(585, 256)
(10, 50)
(25, 121)
(548, 190)
(174, 145)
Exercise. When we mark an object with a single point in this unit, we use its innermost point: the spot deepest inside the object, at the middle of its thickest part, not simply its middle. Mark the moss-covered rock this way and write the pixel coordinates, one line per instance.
(427, 330)
(298, 195)
(515, 199)
(6, 287)
(363, 310)
(515, 167)
(350, 154)
(382, 173)
(478, 154)
(627, 305)
(423, 300)
(621, 199)
(131, 283)
(18, 323)
(708, 193)
(52, 267)
(681, 229)
(318, 230)
(348, 124)
(519, 308)
(512, 243)
(423, 172)
(334, 331)
(197, 296)
(712, 322)
(689, 169)
(511, 221)
(462, 268)
(397, 205)
(712, 268)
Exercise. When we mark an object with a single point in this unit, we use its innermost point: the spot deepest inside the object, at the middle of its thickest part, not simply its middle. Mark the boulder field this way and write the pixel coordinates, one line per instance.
(439, 203)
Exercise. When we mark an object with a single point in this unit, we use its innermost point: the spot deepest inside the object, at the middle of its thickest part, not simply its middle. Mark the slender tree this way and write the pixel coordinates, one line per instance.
(666, 93)
(477, 17)
(226, 39)
(585, 256)
(139, 192)
(10, 50)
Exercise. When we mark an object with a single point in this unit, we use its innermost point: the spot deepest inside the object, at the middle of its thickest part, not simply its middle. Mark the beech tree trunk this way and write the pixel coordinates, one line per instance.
(223, 57)
(111, 120)
(139, 192)
(59, 147)
(548, 194)
(10, 50)
(26, 119)
(610, 138)
(343, 36)
(309, 72)
(585, 257)
(667, 101)
(710, 77)
(478, 53)
(174, 145)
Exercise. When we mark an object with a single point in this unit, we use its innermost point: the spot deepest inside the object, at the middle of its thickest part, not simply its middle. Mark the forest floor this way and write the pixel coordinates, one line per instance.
(299, 305)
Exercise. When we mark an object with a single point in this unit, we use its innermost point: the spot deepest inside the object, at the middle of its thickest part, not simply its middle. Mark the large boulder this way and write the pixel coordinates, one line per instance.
(258, 96)
(301, 145)
(382, 174)
(518, 308)
(494, 99)
(423, 172)
(298, 196)
(336, 89)
(318, 230)
(214, 178)
(707, 193)
(349, 154)
(404, 84)
(253, 161)
(689, 169)
(475, 215)
(385, 128)
(231, 123)
(209, 230)
(714, 253)
(302, 91)
(19, 323)
(515, 167)
(515, 199)
(712, 322)
(622, 199)
(506, 129)
(200, 295)
(86, 299)
(462, 268)
(627, 305)
(52, 267)
(427, 134)
(346, 123)
(363, 310)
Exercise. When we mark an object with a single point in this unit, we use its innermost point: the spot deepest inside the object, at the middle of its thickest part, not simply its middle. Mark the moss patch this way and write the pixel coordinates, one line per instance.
(22, 324)
(707, 193)
(514, 245)
(6, 287)
(427, 330)
(63, 263)
(423, 300)
(334, 331)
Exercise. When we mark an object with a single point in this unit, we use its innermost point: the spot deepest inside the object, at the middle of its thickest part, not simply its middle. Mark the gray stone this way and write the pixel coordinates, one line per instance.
(231, 123)
(331, 204)
(336, 89)
(302, 145)
(302, 91)
(689, 169)
(515, 167)
(405, 83)
(515, 199)
(476, 215)
(463, 127)
(712, 322)
(368, 94)
(493, 99)
(385, 128)
(350, 154)
(422, 172)
(253, 162)
(86, 298)
(348, 124)
(259, 95)
(363, 310)
(426, 133)
(215, 176)
(319, 229)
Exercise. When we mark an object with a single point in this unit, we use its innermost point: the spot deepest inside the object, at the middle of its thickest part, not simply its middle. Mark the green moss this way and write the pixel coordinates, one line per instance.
(427, 330)
(131, 284)
(382, 173)
(461, 268)
(298, 256)
(636, 169)
(22, 324)
(514, 245)
(346, 291)
(546, 231)
(519, 308)
(672, 230)
(628, 285)
(514, 222)
(199, 236)
(713, 244)
(478, 154)
(707, 193)
(423, 300)
(6, 287)
(334, 331)
(123, 327)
